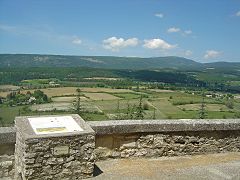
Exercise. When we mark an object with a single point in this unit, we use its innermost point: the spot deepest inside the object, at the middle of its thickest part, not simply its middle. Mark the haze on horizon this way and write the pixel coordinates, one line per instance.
(204, 31)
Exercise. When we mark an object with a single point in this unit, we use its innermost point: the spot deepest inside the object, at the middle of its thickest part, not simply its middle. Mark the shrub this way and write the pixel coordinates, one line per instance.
(145, 106)
(230, 104)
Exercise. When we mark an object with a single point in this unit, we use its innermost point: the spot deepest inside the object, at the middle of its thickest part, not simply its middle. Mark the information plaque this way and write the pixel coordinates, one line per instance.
(51, 125)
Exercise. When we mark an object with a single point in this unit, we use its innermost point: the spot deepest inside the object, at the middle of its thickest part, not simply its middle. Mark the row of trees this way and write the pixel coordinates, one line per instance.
(136, 111)
(17, 98)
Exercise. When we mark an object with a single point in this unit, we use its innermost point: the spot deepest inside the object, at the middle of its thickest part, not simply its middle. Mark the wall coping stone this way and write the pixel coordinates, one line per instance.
(8, 134)
(140, 126)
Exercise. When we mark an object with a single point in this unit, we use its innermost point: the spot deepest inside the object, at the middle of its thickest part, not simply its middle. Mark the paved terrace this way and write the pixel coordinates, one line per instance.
(200, 167)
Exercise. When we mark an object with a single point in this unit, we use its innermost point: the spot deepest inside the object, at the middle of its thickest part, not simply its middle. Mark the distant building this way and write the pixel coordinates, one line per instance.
(31, 99)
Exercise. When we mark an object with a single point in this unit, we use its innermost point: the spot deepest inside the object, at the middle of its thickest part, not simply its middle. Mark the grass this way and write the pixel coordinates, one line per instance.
(8, 114)
(127, 95)
(209, 107)
(100, 96)
(94, 117)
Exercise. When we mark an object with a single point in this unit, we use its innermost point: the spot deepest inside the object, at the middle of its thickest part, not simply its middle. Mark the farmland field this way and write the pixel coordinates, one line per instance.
(107, 103)
(100, 96)
(68, 99)
(209, 107)
(107, 90)
(60, 106)
(63, 91)
(8, 87)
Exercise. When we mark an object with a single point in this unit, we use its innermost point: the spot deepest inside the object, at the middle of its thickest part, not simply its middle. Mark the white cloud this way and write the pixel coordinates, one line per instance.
(77, 41)
(188, 53)
(157, 44)
(211, 54)
(159, 15)
(187, 32)
(238, 13)
(114, 43)
(173, 30)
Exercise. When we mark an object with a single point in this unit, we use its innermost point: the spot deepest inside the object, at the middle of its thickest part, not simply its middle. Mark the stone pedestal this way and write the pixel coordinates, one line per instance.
(53, 147)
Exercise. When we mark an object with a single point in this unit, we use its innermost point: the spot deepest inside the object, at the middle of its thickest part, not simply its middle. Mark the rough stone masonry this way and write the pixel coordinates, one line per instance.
(54, 156)
(156, 138)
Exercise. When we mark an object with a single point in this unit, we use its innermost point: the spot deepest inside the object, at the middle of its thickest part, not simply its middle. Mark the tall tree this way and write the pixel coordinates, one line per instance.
(139, 113)
(154, 113)
(128, 111)
(78, 101)
(1, 121)
(202, 111)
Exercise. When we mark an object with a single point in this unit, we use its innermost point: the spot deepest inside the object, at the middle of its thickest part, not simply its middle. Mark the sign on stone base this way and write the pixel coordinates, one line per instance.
(53, 147)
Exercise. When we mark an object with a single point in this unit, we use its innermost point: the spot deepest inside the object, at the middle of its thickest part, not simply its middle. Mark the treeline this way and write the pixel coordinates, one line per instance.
(76, 76)
(16, 75)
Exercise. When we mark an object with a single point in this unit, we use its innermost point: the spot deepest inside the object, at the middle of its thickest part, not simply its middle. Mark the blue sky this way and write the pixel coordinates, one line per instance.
(205, 30)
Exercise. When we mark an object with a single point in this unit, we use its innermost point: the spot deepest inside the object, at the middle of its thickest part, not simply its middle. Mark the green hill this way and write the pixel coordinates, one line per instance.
(107, 62)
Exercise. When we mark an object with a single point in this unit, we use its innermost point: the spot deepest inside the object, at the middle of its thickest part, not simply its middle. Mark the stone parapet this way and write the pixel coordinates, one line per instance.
(65, 155)
(115, 139)
(147, 126)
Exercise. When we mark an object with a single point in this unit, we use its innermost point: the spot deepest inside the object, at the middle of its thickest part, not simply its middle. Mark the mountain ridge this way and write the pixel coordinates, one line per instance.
(108, 62)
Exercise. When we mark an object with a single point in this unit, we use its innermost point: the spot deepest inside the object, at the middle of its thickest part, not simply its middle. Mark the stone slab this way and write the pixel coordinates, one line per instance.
(134, 126)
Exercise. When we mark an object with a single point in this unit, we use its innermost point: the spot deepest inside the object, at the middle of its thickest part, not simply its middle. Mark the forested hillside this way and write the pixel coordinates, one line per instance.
(107, 62)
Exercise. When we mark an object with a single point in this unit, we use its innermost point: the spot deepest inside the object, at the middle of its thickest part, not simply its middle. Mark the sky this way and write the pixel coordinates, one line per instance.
(205, 30)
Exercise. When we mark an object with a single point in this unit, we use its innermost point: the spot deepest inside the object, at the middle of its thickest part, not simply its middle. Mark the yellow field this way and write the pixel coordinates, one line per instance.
(68, 99)
(108, 90)
(4, 94)
(63, 91)
(100, 96)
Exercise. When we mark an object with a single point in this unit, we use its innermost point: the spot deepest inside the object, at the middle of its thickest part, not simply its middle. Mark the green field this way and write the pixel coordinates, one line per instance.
(106, 104)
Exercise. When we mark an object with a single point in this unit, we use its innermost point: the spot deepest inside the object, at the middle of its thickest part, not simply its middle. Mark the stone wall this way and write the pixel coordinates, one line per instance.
(41, 163)
(143, 138)
(129, 139)
(166, 144)
(58, 155)
(7, 140)
(6, 166)
(7, 146)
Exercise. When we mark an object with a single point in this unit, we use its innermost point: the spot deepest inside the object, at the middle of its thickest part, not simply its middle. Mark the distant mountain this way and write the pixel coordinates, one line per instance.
(108, 62)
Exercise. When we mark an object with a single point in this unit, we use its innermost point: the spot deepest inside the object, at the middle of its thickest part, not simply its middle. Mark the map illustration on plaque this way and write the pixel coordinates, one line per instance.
(51, 125)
